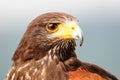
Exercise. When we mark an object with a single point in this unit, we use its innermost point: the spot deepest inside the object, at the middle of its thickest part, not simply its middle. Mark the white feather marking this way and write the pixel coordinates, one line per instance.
(28, 76)
(35, 70)
(43, 71)
(45, 58)
(19, 69)
(9, 72)
(30, 68)
(21, 78)
(42, 62)
(13, 76)
(49, 51)
(54, 49)
(55, 57)
(71, 23)
(49, 57)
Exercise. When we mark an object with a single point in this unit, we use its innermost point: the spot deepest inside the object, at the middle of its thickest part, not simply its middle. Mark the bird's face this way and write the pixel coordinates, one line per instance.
(66, 30)
(50, 31)
(52, 26)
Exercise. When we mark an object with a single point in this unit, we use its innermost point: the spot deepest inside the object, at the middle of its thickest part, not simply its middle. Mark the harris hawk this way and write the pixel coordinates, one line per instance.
(47, 52)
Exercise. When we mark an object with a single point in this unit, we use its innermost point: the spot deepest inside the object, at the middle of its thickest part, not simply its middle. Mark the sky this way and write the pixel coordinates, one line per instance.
(99, 19)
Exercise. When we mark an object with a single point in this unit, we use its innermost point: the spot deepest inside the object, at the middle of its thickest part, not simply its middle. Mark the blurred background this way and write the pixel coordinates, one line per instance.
(99, 19)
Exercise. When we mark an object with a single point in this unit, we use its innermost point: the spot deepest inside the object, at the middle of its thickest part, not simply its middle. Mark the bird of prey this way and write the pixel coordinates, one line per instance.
(47, 52)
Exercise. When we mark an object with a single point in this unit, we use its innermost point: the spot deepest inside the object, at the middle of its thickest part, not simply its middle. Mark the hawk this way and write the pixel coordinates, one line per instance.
(47, 52)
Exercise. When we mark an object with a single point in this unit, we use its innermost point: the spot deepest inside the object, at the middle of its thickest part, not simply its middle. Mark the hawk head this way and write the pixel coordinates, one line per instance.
(49, 43)
(48, 31)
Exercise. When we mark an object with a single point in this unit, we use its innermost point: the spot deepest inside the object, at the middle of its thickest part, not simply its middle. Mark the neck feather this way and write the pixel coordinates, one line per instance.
(27, 50)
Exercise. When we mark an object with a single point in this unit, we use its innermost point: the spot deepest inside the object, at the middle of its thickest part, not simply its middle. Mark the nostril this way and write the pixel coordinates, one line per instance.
(73, 28)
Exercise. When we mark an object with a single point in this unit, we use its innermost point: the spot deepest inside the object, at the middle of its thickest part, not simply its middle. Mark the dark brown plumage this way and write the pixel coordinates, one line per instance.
(47, 52)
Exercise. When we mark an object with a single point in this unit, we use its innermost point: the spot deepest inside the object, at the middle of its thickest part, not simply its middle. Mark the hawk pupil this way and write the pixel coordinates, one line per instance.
(52, 26)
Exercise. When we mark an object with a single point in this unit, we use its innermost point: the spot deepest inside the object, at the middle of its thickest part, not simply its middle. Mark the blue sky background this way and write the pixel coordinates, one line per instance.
(99, 19)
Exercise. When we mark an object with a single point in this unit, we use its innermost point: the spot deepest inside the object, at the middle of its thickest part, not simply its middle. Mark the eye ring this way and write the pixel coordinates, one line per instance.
(52, 27)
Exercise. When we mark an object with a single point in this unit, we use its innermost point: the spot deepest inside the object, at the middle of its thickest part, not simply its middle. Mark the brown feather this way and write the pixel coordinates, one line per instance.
(38, 57)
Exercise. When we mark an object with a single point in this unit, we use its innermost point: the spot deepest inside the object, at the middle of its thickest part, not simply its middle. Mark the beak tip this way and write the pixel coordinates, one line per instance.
(81, 41)
(80, 45)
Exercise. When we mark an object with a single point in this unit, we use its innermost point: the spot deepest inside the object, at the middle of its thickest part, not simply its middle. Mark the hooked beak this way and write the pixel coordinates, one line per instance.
(69, 30)
(78, 34)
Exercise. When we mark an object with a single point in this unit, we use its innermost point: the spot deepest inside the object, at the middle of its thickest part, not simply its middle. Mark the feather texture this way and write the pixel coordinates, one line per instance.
(39, 57)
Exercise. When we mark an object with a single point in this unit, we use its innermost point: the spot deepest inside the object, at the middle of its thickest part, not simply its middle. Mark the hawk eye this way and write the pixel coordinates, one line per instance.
(52, 27)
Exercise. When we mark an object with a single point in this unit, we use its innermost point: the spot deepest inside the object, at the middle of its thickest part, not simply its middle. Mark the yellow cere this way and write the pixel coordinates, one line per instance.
(65, 30)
